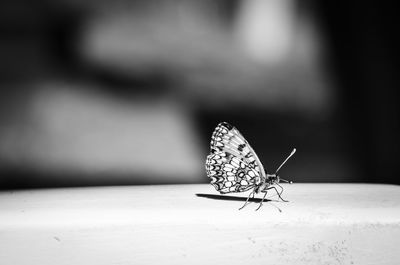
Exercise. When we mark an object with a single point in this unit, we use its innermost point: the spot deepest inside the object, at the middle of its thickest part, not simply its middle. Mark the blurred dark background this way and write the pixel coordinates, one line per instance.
(129, 92)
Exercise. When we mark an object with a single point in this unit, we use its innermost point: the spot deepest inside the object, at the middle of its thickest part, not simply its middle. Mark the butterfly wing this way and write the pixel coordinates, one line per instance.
(227, 138)
(233, 166)
(229, 173)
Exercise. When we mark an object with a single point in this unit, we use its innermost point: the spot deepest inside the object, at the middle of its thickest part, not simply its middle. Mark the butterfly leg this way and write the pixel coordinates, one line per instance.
(247, 201)
(281, 192)
(277, 192)
(261, 203)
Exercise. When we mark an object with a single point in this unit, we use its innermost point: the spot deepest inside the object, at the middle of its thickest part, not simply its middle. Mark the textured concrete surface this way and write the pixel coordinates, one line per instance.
(192, 224)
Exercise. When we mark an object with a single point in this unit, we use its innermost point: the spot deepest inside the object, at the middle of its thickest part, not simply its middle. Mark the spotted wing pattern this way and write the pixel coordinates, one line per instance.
(232, 166)
(227, 138)
(229, 173)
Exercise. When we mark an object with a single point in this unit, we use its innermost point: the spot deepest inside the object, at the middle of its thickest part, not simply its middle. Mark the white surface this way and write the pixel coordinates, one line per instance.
(322, 224)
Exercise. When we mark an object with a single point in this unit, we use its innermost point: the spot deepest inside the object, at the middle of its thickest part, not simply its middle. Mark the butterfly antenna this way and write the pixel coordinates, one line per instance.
(287, 181)
(292, 153)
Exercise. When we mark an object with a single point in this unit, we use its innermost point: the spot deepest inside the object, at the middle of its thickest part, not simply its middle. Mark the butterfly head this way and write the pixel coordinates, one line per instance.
(272, 179)
(269, 180)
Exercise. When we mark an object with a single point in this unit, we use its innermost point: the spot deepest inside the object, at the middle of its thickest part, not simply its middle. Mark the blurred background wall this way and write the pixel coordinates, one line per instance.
(128, 92)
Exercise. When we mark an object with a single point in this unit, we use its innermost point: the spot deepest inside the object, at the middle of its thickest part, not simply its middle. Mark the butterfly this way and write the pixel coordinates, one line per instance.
(233, 166)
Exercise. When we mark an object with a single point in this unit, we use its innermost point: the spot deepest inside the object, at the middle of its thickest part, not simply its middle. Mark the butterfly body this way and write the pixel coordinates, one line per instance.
(233, 166)
(271, 179)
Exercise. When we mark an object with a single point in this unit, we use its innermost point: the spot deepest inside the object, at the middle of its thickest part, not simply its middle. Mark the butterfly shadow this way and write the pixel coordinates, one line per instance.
(229, 198)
